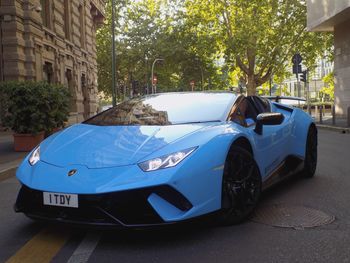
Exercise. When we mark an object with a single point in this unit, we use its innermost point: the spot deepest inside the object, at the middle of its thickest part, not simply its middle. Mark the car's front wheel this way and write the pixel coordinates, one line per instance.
(241, 186)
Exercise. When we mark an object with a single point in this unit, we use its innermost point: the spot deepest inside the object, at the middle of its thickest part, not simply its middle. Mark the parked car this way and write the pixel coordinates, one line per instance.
(167, 158)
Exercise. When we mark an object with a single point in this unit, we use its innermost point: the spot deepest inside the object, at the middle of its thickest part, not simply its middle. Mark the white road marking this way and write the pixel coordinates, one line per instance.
(10, 165)
(85, 248)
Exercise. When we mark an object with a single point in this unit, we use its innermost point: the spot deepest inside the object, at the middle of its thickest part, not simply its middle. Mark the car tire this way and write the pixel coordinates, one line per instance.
(310, 162)
(241, 187)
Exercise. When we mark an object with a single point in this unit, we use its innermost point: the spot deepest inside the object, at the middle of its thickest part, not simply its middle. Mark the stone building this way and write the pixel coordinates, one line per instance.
(334, 16)
(53, 40)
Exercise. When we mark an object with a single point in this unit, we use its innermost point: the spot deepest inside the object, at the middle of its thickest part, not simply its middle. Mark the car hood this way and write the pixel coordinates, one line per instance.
(110, 146)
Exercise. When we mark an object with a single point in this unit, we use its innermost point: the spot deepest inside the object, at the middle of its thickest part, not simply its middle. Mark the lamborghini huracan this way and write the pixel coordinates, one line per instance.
(167, 158)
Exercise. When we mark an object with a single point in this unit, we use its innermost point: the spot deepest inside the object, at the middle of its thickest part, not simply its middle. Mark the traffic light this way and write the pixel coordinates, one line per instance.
(303, 76)
(296, 60)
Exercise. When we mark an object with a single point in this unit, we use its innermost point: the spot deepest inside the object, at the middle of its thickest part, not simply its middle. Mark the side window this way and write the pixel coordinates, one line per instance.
(264, 103)
(244, 114)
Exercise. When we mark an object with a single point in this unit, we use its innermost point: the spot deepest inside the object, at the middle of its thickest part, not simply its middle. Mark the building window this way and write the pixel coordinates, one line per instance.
(81, 10)
(48, 72)
(69, 78)
(83, 82)
(46, 13)
(67, 19)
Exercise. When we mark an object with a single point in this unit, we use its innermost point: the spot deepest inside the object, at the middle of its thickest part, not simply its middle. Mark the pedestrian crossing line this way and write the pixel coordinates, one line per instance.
(42, 247)
(85, 248)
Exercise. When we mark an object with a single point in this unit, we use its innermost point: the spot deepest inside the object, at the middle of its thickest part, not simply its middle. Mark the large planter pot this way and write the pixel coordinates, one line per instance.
(27, 142)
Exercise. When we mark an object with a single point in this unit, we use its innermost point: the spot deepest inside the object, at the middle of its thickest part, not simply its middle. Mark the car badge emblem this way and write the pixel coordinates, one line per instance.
(72, 172)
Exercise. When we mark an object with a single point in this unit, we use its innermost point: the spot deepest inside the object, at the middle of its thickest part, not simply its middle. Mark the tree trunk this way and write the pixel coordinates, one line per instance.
(251, 85)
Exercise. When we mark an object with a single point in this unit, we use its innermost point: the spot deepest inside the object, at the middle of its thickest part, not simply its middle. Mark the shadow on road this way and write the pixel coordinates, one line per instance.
(165, 236)
(191, 231)
(290, 183)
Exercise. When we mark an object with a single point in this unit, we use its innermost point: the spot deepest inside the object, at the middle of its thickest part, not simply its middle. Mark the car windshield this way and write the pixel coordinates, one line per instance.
(167, 109)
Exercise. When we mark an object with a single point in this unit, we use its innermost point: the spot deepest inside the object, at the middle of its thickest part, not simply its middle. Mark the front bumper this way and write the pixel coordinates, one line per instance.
(129, 208)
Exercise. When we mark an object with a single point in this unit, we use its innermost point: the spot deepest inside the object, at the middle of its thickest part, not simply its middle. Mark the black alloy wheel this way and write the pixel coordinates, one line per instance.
(241, 186)
(310, 162)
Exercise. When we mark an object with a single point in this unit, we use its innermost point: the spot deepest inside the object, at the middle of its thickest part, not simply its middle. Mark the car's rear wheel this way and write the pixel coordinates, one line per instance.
(241, 186)
(310, 162)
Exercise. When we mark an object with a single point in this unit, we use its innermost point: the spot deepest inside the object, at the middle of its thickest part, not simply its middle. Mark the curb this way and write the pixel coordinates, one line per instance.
(333, 128)
(6, 174)
(10, 170)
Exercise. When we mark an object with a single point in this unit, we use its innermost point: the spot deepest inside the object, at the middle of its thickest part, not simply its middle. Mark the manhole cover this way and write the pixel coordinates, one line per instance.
(297, 217)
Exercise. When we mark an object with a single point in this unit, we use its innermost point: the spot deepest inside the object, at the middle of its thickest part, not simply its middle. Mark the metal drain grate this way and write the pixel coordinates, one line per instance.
(297, 217)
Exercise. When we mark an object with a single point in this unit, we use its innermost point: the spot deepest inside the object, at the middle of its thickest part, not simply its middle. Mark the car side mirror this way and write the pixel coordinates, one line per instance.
(270, 118)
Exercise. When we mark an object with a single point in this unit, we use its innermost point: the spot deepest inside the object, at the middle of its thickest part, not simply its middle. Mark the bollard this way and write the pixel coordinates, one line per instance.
(333, 115)
(321, 113)
(349, 116)
(316, 107)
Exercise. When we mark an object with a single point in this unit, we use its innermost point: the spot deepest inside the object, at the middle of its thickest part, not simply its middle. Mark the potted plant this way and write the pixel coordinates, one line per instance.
(59, 109)
(30, 111)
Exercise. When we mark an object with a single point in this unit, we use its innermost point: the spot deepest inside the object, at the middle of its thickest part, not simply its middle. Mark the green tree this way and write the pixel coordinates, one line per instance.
(259, 37)
(328, 90)
(157, 29)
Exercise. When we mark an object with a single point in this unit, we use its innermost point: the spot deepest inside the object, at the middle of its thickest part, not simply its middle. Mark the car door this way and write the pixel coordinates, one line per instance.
(278, 136)
(267, 145)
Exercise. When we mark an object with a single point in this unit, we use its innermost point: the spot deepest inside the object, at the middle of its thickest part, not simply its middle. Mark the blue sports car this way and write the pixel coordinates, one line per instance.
(167, 158)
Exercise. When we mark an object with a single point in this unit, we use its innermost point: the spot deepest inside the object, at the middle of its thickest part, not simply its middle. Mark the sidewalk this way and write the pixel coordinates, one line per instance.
(341, 124)
(9, 159)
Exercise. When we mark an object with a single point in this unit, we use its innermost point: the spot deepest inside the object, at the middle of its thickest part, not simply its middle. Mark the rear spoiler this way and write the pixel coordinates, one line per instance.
(279, 98)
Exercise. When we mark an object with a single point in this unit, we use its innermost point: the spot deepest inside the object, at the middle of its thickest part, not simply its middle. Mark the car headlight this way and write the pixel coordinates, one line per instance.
(165, 161)
(35, 156)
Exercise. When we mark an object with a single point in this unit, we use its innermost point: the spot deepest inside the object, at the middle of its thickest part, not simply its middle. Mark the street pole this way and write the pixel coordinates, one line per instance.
(1, 48)
(202, 74)
(114, 100)
(146, 72)
(308, 91)
(154, 87)
(202, 80)
(298, 85)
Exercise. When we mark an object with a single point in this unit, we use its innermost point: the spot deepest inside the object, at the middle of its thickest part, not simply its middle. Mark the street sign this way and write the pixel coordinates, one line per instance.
(297, 59)
(297, 69)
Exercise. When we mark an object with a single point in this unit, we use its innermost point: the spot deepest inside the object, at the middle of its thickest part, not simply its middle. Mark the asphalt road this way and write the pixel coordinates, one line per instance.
(7, 154)
(21, 240)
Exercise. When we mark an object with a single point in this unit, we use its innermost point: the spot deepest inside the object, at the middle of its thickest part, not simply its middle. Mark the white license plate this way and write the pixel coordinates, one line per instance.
(59, 199)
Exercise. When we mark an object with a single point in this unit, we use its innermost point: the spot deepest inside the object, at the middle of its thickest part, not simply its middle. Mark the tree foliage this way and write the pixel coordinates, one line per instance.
(147, 30)
(328, 90)
(216, 43)
(259, 37)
